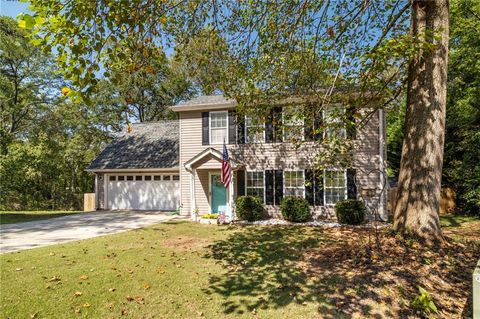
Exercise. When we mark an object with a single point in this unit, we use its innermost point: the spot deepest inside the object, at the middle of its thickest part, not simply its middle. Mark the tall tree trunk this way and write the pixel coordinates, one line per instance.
(419, 183)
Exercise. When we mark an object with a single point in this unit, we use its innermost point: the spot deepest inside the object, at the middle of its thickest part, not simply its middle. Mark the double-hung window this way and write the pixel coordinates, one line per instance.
(293, 124)
(256, 184)
(335, 127)
(335, 186)
(294, 183)
(218, 127)
(254, 131)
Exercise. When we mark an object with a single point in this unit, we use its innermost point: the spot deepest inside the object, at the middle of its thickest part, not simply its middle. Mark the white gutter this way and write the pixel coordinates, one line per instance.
(133, 170)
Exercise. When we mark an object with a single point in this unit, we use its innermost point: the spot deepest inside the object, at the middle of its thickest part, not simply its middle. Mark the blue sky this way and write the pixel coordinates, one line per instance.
(12, 8)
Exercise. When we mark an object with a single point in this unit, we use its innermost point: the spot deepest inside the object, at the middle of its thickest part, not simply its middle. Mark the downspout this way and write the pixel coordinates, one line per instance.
(382, 157)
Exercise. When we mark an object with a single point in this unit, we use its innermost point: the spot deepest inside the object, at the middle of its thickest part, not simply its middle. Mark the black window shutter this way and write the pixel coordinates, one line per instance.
(232, 128)
(277, 125)
(240, 183)
(318, 188)
(269, 187)
(269, 128)
(308, 129)
(317, 124)
(309, 186)
(278, 186)
(240, 129)
(205, 128)
(351, 126)
(351, 186)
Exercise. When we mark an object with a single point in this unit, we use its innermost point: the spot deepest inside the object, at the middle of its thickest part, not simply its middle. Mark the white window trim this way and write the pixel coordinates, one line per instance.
(283, 128)
(293, 170)
(246, 133)
(227, 138)
(325, 185)
(264, 186)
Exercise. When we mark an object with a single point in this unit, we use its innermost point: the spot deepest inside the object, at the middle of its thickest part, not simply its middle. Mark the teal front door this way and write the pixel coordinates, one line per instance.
(219, 193)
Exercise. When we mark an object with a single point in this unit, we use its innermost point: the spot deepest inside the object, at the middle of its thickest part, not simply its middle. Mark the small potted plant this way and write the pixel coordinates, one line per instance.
(209, 219)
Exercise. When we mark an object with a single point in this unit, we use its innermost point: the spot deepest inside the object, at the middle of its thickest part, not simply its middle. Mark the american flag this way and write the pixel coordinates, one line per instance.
(226, 175)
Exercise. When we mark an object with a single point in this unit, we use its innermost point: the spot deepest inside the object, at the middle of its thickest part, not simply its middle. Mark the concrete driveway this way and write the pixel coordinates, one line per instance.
(14, 237)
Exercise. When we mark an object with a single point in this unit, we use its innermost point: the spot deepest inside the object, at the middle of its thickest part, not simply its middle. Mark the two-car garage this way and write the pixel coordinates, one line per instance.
(139, 169)
(142, 191)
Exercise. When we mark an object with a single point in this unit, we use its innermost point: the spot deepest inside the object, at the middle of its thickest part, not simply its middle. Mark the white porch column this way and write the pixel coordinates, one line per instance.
(193, 201)
(230, 197)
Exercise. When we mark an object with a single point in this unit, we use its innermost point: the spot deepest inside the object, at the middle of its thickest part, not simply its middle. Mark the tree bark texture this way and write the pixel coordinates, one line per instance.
(419, 182)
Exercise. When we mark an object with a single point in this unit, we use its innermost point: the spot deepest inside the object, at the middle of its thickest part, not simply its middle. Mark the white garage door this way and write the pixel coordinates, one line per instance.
(143, 192)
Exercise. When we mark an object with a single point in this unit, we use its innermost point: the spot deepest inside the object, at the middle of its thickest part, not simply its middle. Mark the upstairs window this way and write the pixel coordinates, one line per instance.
(218, 127)
(254, 131)
(335, 127)
(294, 183)
(293, 124)
(256, 184)
(335, 187)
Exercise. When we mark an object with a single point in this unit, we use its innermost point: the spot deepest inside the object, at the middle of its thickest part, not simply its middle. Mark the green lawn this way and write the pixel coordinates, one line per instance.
(189, 270)
(10, 217)
(457, 220)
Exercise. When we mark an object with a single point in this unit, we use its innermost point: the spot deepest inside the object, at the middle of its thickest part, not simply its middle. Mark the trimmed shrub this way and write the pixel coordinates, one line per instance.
(295, 209)
(350, 211)
(250, 208)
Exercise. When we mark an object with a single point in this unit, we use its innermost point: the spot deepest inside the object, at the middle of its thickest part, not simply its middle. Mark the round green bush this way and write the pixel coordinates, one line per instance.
(350, 211)
(295, 209)
(250, 208)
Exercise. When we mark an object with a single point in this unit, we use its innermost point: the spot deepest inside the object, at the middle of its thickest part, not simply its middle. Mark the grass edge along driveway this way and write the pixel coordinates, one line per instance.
(12, 217)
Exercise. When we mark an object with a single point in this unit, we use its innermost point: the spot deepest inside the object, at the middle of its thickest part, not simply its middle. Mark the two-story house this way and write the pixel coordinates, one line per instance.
(175, 165)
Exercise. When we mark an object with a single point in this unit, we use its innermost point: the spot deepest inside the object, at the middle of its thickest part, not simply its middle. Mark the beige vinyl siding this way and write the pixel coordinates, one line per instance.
(264, 156)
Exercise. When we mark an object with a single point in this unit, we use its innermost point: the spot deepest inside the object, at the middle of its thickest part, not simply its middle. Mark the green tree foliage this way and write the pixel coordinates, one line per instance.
(48, 140)
(462, 148)
(26, 83)
(46, 170)
(205, 59)
(143, 88)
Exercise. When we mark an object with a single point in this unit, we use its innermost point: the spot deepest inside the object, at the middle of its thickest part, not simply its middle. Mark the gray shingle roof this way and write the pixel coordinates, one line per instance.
(206, 99)
(149, 145)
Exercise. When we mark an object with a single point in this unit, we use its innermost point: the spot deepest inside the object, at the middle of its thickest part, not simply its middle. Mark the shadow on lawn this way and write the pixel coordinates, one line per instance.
(272, 267)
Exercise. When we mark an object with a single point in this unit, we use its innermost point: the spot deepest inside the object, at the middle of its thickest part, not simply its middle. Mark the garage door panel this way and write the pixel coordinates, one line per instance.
(143, 195)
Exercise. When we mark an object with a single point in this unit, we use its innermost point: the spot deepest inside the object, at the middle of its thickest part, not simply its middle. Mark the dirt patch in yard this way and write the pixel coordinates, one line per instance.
(186, 243)
(365, 280)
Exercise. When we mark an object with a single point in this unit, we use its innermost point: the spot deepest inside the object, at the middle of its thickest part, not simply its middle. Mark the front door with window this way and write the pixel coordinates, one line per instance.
(218, 193)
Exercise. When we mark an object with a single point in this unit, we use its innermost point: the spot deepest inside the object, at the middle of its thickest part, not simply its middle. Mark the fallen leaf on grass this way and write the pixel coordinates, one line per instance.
(33, 315)
(52, 254)
(111, 289)
(77, 310)
(138, 299)
(18, 269)
(55, 278)
(83, 277)
(78, 293)
(86, 305)
(146, 286)
(123, 312)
